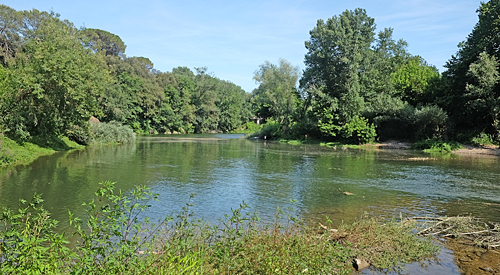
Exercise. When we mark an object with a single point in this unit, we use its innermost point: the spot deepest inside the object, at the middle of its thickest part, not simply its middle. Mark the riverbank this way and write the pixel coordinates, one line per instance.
(16, 152)
(490, 150)
(119, 243)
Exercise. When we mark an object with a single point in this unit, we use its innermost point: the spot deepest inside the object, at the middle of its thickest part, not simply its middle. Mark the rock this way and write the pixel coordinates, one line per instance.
(464, 260)
(94, 119)
(487, 269)
(360, 264)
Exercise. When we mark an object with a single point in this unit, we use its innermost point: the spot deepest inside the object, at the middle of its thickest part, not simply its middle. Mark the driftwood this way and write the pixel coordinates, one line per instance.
(484, 234)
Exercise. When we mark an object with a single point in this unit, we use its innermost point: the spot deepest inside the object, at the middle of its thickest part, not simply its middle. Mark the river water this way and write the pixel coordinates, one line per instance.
(224, 170)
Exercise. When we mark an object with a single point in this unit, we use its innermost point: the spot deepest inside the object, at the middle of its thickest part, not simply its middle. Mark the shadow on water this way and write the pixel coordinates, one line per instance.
(224, 170)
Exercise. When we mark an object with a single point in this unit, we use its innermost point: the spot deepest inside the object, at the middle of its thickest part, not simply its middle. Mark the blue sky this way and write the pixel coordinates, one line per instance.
(232, 38)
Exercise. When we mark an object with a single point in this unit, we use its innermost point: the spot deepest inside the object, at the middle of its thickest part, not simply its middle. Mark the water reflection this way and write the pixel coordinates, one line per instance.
(224, 170)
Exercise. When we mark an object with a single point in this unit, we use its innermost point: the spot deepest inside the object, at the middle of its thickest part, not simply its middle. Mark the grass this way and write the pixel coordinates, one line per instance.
(113, 240)
(13, 152)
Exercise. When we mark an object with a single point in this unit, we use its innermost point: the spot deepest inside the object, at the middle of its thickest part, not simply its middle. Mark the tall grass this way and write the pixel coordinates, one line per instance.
(112, 239)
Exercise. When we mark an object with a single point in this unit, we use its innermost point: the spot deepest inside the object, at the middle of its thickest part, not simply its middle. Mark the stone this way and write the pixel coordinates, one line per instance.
(360, 264)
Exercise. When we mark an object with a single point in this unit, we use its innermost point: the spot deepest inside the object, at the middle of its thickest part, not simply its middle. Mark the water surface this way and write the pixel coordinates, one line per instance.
(224, 170)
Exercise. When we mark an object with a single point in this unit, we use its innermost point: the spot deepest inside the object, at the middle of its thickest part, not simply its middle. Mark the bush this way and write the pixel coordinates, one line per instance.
(6, 155)
(483, 139)
(430, 122)
(111, 132)
(359, 130)
(435, 145)
(249, 127)
(23, 240)
(270, 130)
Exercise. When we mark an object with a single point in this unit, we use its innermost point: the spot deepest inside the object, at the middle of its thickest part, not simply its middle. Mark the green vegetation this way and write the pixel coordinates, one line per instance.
(337, 144)
(357, 86)
(54, 77)
(105, 133)
(22, 152)
(433, 145)
(248, 128)
(112, 239)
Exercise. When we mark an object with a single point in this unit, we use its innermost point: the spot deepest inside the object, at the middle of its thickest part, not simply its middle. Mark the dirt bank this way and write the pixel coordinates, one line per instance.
(490, 150)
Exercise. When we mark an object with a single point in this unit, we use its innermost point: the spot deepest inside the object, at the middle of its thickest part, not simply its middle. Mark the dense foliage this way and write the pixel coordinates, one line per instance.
(357, 85)
(54, 77)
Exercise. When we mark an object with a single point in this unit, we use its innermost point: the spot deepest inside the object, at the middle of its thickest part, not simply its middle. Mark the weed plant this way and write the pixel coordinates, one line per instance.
(113, 239)
(483, 139)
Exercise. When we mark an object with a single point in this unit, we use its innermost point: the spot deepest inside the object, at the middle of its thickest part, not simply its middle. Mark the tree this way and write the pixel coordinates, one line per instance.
(276, 97)
(56, 87)
(103, 41)
(385, 57)
(336, 51)
(481, 94)
(11, 39)
(413, 81)
(484, 38)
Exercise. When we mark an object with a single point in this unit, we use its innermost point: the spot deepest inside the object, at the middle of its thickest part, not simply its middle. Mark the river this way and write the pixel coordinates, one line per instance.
(225, 170)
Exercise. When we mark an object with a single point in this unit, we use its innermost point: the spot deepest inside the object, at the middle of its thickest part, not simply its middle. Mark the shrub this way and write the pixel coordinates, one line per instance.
(430, 122)
(23, 240)
(111, 132)
(270, 130)
(435, 145)
(483, 139)
(359, 130)
(6, 155)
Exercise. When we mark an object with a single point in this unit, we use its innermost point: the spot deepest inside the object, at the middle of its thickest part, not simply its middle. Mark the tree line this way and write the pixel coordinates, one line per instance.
(54, 77)
(357, 85)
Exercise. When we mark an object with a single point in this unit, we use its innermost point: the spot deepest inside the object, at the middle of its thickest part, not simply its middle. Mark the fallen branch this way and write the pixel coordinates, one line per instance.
(485, 234)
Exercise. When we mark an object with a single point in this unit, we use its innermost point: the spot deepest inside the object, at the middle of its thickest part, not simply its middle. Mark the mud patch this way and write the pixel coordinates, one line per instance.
(474, 260)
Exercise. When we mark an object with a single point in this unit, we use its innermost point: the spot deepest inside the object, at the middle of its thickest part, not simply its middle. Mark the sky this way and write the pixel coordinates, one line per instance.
(232, 38)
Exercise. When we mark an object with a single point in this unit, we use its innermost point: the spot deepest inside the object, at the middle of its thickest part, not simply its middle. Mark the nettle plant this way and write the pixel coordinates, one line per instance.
(113, 235)
(28, 243)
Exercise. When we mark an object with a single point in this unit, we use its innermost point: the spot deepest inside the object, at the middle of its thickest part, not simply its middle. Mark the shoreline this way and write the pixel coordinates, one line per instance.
(467, 150)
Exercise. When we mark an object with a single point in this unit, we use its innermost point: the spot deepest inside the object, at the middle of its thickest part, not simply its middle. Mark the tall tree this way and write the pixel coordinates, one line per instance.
(480, 92)
(276, 97)
(103, 41)
(56, 87)
(335, 54)
(413, 81)
(484, 38)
